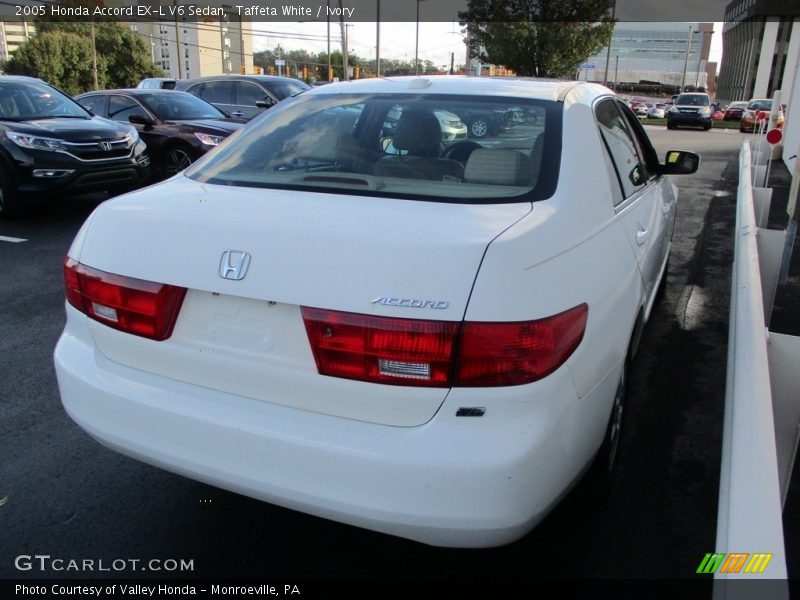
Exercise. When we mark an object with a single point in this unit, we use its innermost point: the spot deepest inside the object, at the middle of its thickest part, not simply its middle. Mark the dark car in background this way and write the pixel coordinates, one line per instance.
(244, 96)
(51, 145)
(177, 127)
(734, 111)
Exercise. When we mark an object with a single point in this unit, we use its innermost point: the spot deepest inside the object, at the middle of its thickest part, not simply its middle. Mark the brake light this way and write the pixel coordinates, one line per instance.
(135, 306)
(441, 353)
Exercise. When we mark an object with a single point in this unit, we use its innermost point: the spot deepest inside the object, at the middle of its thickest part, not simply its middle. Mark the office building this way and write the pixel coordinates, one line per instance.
(759, 53)
(670, 54)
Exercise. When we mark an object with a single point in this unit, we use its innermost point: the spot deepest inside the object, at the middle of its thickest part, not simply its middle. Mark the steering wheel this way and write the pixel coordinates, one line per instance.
(460, 151)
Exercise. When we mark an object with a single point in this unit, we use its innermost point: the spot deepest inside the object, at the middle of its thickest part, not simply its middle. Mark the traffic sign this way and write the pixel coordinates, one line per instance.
(279, 62)
(774, 136)
(588, 66)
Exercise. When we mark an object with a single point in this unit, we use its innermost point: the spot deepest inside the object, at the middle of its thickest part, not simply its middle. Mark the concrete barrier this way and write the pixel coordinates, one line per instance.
(762, 407)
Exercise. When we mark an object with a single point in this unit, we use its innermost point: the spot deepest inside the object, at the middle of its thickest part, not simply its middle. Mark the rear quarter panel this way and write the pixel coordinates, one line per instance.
(571, 249)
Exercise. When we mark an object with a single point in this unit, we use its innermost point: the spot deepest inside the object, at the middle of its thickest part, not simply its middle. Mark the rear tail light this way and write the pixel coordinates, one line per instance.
(135, 306)
(441, 353)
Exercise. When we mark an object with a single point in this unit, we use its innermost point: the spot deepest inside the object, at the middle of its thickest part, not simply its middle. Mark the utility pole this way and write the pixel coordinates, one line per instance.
(378, 41)
(94, 60)
(177, 41)
(330, 73)
(608, 53)
(343, 29)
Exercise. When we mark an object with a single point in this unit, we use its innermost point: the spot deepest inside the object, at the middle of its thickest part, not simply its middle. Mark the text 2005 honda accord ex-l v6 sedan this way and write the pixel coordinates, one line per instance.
(423, 339)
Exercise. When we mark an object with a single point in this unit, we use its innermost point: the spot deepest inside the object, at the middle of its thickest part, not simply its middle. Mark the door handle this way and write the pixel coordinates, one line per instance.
(641, 236)
(238, 113)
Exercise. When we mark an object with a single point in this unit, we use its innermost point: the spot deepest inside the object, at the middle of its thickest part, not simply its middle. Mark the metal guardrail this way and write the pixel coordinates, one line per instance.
(762, 405)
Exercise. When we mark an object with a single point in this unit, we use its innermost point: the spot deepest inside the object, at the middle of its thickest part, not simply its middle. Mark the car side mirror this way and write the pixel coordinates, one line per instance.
(679, 162)
(142, 120)
(91, 112)
(265, 103)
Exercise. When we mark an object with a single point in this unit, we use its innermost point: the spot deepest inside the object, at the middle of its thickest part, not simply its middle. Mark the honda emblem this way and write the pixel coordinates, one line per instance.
(234, 264)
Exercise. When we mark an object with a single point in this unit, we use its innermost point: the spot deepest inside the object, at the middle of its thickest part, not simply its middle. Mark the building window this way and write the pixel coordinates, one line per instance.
(187, 66)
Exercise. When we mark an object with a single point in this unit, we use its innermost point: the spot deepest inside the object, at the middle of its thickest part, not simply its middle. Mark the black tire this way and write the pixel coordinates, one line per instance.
(479, 128)
(176, 158)
(602, 473)
(670, 126)
(10, 204)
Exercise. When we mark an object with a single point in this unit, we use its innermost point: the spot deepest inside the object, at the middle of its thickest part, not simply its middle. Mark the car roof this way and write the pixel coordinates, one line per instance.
(234, 76)
(519, 87)
(23, 78)
(134, 92)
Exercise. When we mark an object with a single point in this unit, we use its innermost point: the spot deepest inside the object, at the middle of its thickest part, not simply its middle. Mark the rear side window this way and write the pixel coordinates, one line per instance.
(404, 146)
(122, 107)
(217, 92)
(247, 94)
(95, 103)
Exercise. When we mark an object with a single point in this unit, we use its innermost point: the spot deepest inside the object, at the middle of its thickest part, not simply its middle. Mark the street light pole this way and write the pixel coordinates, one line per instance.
(686, 62)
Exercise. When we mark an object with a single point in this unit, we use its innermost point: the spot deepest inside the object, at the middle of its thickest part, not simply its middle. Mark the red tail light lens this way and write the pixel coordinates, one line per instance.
(135, 306)
(441, 353)
(497, 354)
(380, 349)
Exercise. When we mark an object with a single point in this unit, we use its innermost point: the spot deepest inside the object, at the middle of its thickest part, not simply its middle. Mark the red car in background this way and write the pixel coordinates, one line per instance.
(735, 111)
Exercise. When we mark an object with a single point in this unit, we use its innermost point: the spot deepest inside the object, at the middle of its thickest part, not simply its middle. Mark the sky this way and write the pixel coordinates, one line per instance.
(436, 40)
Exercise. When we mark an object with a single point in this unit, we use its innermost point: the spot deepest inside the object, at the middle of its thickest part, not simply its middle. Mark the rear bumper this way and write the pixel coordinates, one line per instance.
(454, 481)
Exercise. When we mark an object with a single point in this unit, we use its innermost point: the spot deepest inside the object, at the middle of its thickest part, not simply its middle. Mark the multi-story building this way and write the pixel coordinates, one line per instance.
(759, 51)
(672, 54)
(12, 34)
(189, 47)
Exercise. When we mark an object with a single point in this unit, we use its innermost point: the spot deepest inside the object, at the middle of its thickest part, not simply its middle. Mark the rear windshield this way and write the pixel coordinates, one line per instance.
(692, 100)
(459, 149)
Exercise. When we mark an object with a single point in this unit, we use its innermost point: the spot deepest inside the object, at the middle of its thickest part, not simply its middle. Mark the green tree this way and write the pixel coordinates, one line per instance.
(539, 38)
(61, 53)
(59, 58)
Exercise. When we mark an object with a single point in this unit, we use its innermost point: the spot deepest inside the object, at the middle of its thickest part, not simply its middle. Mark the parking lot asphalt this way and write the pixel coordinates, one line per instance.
(70, 497)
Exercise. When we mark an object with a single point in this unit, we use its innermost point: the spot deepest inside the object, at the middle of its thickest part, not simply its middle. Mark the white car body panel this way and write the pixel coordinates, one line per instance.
(307, 250)
(234, 398)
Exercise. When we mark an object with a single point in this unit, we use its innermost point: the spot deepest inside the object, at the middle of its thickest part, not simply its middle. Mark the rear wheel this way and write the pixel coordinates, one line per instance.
(10, 204)
(603, 471)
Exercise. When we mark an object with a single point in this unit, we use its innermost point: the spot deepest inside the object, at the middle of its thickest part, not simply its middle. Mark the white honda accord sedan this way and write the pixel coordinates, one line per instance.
(356, 321)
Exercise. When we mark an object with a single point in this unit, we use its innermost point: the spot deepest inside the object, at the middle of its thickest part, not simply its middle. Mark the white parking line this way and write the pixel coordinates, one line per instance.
(11, 239)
